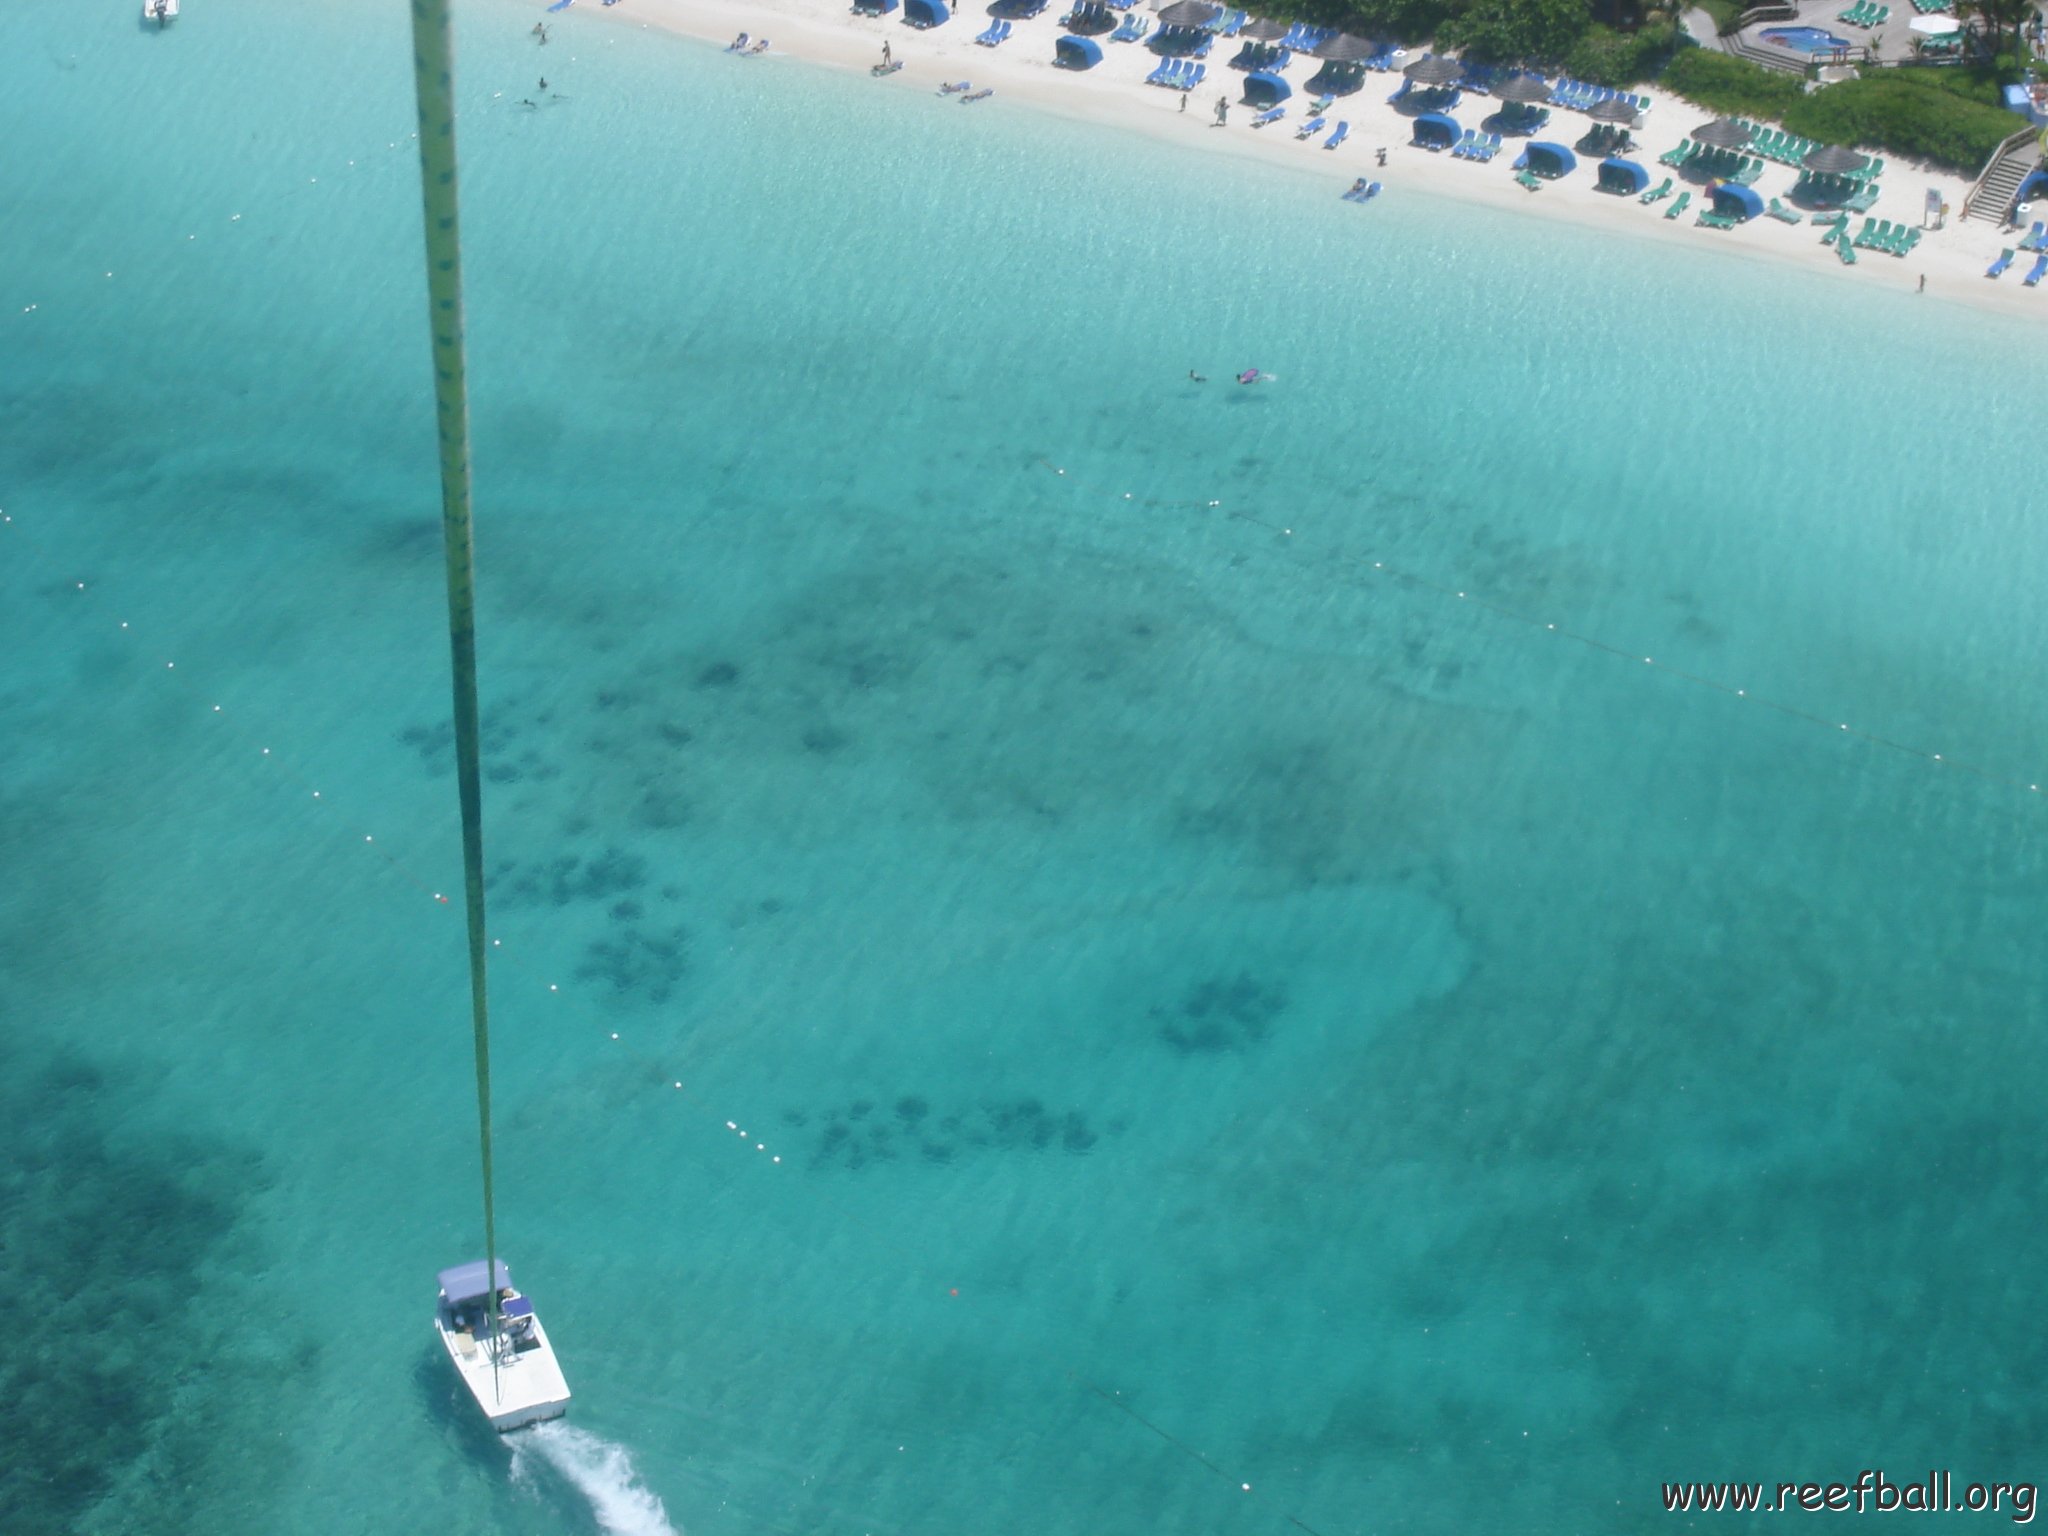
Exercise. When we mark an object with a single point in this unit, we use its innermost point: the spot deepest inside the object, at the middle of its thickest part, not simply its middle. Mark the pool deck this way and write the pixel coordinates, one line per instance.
(1893, 40)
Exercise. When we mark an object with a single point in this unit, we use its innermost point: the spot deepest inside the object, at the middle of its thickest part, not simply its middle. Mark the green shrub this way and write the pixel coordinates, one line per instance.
(1899, 113)
(1517, 31)
(1607, 57)
(1733, 87)
(1945, 116)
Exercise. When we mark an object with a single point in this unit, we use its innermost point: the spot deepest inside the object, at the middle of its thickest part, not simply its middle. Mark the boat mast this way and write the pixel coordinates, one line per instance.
(433, 85)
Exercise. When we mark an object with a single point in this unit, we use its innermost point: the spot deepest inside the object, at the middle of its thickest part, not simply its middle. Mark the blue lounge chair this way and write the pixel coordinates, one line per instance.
(997, 31)
(1194, 77)
(1270, 115)
(1309, 129)
(1337, 135)
(2031, 241)
(2040, 270)
(1997, 268)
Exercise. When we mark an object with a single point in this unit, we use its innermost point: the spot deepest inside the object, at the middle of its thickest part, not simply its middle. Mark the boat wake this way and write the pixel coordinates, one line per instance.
(599, 1470)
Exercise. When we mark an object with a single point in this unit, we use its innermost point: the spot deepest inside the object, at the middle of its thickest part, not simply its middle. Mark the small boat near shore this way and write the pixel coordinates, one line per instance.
(501, 1352)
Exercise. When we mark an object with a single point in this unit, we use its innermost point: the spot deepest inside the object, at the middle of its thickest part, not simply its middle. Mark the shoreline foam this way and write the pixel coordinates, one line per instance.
(1113, 95)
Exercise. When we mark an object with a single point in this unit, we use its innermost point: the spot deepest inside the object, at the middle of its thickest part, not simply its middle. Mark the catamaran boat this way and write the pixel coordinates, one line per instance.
(506, 1362)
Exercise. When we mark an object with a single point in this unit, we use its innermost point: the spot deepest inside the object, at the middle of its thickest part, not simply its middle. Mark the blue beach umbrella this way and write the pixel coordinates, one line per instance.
(1077, 53)
(1435, 130)
(1262, 89)
(1551, 161)
(1622, 177)
(1737, 201)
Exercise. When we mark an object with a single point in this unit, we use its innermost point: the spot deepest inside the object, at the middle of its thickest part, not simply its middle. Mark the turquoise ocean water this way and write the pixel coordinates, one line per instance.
(1224, 1013)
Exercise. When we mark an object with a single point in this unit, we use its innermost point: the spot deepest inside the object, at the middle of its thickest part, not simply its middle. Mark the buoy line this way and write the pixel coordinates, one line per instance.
(1408, 578)
(255, 749)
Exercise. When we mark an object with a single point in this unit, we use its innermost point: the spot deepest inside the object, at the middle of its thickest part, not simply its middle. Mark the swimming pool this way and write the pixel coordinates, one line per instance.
(1805, 39)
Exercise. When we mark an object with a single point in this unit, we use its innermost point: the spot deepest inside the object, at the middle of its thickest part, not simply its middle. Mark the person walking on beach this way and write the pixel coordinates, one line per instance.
(1183, 101)
(1383, 156)
(885, 50)
(1222, 110)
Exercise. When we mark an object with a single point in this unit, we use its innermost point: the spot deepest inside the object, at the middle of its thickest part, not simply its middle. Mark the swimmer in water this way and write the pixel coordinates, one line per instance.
(1197, 378)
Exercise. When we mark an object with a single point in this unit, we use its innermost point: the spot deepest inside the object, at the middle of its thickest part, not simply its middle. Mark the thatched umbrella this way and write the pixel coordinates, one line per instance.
(1722, 134)
(1527, 89)
(1434, 69)
(1614, 110)
(1189, 13)
(1264, 29)
(1346, 49)
(1833, 160)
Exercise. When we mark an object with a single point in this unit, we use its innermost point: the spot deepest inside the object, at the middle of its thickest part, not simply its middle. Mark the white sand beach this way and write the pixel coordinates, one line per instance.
(1114, 95)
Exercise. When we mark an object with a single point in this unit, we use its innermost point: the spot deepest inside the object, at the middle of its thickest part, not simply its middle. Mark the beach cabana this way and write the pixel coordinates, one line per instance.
(926, 13)
(1436, 130)
(1264, 90)
(1736, 202)
(1549, 160)
(1077, 53)
(1622, 177)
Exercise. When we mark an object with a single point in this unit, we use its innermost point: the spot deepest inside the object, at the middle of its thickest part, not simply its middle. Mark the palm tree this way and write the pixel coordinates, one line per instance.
(1998, 16)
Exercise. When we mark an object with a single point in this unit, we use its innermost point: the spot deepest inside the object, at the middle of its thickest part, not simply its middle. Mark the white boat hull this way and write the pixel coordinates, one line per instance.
(526, 1385)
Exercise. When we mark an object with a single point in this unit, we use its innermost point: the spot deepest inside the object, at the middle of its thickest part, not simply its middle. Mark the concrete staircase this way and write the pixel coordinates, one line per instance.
(1991, 198)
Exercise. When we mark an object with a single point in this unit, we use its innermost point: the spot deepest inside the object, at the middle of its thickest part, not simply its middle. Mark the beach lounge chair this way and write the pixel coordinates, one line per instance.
(1270, 115)
(1309, 129)
(1678, 205)
(981, 95)
(955, 87)
(1715, 220)
(1866, 234)
(1846, 250)
(1194, 77)
(1997, 268)
(1491, 147)
(2040, 270)
(995, 34)
(1782, 214)
(2031, 241)
(1662, 190)
(1908, 238)
(1530, 180)
(1337, 134)
(1838, 227)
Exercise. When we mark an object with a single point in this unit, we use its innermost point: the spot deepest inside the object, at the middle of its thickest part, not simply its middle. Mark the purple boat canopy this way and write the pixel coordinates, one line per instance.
(465, 1282)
